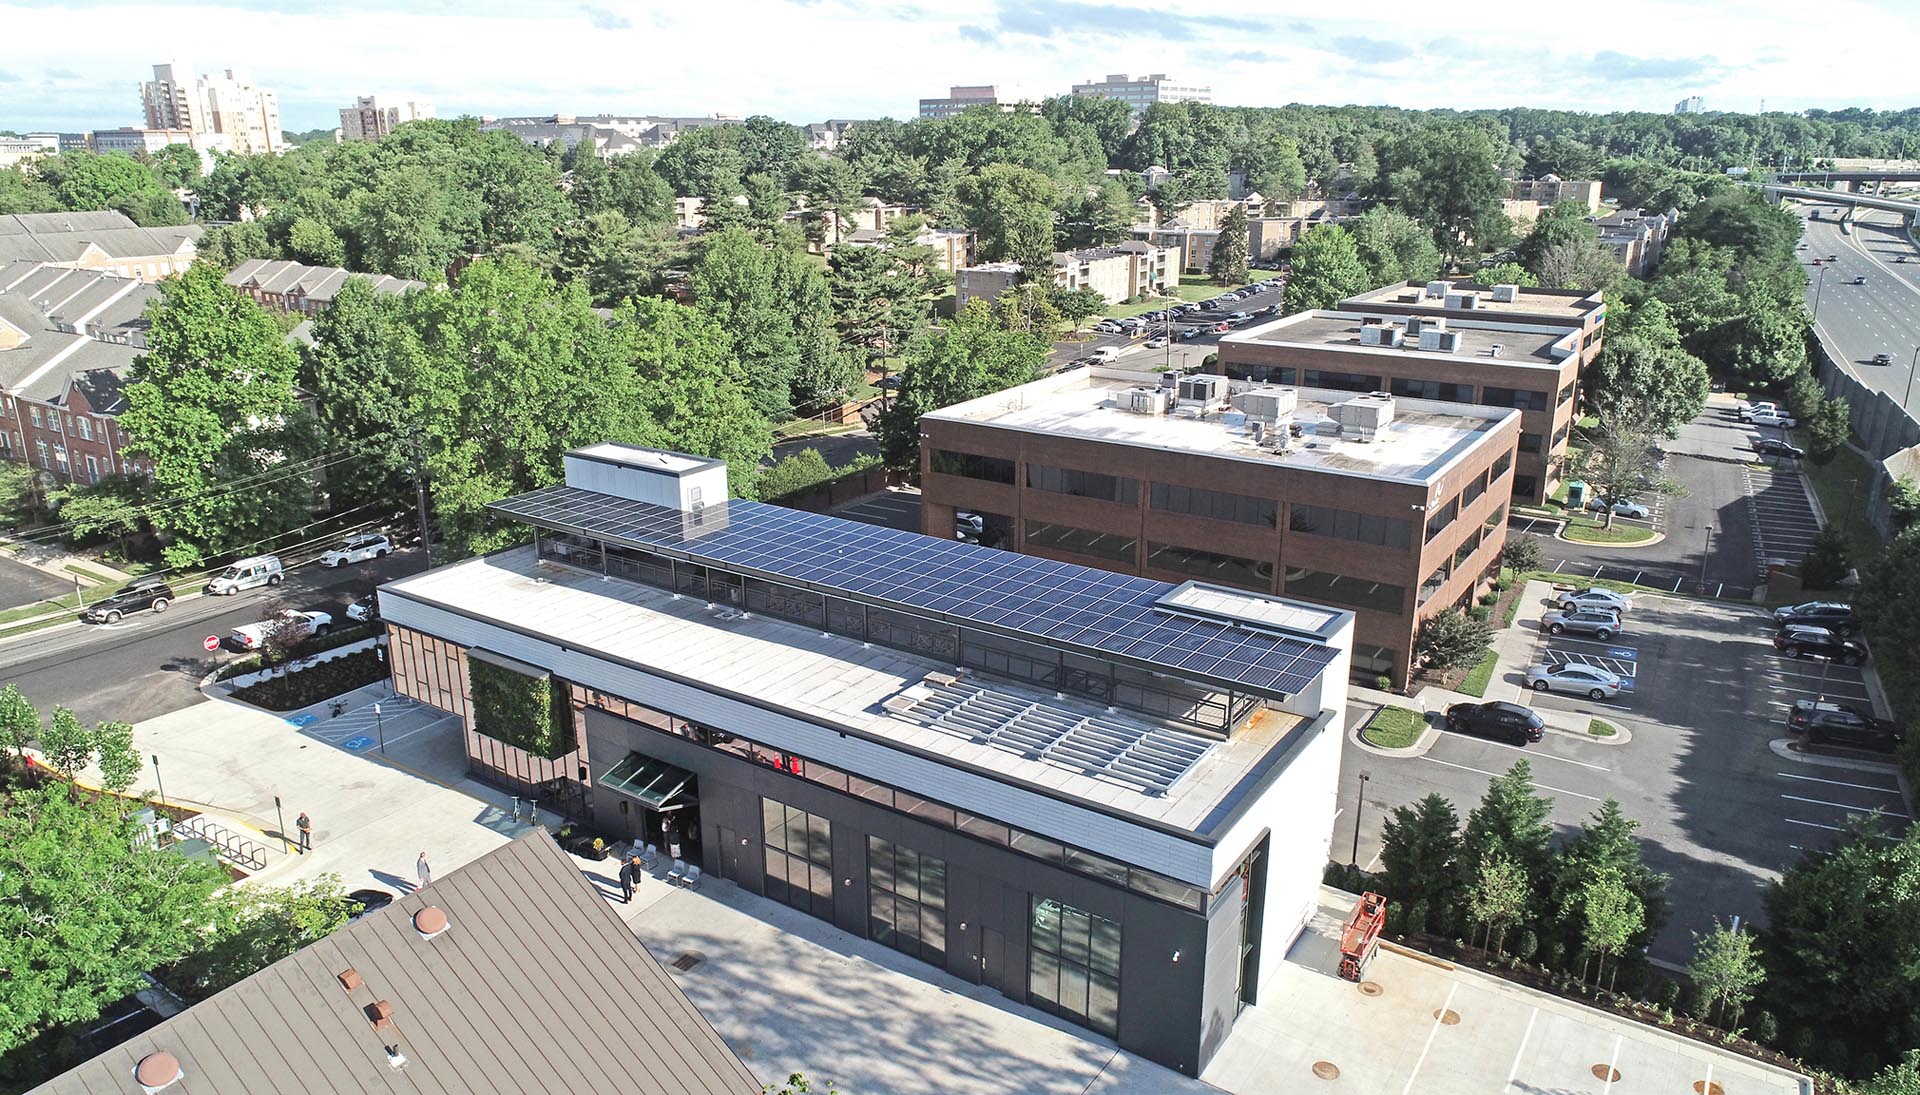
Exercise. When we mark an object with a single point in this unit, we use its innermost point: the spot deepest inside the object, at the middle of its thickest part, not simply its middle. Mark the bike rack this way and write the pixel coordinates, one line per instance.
(228, 845)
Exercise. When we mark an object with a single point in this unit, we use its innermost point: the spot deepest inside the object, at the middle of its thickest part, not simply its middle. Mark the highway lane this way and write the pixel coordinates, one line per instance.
(1881, 316)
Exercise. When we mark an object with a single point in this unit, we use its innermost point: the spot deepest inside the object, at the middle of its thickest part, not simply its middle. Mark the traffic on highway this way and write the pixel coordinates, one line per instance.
(1864, 291)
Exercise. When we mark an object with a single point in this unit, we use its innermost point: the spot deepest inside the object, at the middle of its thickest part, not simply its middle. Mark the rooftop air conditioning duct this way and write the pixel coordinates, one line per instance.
(1147, 401)
(1494, 350)
(1439, 288)
(1445, 342)
(1409, 298)
(1463, 301)
(1168, 379)
(1506, 294)
(1414, 326)
(1205, 391)
(1374, 334)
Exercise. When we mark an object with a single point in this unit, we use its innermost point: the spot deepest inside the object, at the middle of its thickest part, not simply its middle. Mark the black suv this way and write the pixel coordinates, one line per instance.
(1799, 641)
(1842, 724)
(1511, 721)
(1832, 615)
(140, 595)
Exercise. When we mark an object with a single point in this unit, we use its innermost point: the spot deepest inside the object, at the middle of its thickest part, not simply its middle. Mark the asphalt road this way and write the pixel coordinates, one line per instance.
(1176, 355)
(1882, 316)
(839, 449)
(150, 664)
(21, 584)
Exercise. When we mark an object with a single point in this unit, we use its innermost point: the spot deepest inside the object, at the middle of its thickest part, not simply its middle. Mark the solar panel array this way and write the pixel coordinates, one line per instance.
(1136, 756)
(1061, 604)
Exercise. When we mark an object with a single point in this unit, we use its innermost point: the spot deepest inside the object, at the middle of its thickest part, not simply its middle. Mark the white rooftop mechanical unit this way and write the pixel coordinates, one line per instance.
(1382, 334)
(1441, 341)
(1201, 394)
(1267, 403)
(1362, 417)
(1147, 401)
(1463, 301)
(1439, 288)
(1506, 294)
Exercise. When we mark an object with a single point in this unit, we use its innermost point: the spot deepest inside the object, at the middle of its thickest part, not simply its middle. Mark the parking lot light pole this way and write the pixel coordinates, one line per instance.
(1819, 285)
(1359, 804)
(1911, 366)
(380, 722)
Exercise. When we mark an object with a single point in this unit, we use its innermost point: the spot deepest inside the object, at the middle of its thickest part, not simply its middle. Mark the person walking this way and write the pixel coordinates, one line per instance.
(629, 873)
(425, 871)
(305, 826)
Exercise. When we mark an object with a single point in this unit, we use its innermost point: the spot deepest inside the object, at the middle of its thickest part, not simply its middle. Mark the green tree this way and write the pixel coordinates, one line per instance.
(878, 300)
(777, 306)
(1012, 210)
(1511, 821)
(228, 245)
(794, 473)
(1727, 971)
(972, 355)
(212, 401)
(1393, 246)
(20, 724)
(1171, 197)
(1605, 845)
(110, 507)
(1635, 380)
(1827, 430)
(1562, 223)
(1094, 217)
(1828, 559)
(1506, 273)
(1899, 1078)
(1622, 458)
(1611, 917)
(1326, 269)
(1498, 897)
(1586, 266)
(613, 257)
(1450, 639)
(1447, 178)
(1420, 852)
(86, 907)
(1888, 603)
(82, 180)
(1076, 306)
(176, 167)
(1274, 168)
(248, 928)
(1522, 552)
(114, 754)
(65, 744)
(314, 243)
(1231, 249)
(360, 367)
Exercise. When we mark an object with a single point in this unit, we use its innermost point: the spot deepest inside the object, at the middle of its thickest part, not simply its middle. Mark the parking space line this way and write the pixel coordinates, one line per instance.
(1838, 783)
(1522, 1051)
(1612, 1061)
(1813, 824)
(1437, 1020)
(1845, 806)
(1536, 783)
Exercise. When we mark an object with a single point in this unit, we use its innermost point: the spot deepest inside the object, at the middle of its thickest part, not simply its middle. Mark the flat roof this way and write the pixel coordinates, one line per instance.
(1423, 439)
(1521, 345)
(1565, 303)
(881, 693)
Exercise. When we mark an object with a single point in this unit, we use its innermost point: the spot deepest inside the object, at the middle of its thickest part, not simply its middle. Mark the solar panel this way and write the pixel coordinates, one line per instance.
(1062, 604)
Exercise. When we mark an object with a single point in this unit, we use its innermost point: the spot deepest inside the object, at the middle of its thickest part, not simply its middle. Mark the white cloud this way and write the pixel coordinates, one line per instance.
(860, 58)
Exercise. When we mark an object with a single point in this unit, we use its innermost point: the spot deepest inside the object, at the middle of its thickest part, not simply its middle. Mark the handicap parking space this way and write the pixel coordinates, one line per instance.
(1620, 655)
(1784, 522)
(368, 727)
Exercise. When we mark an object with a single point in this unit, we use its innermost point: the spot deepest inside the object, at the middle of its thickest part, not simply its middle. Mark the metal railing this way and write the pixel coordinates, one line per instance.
(228, 845)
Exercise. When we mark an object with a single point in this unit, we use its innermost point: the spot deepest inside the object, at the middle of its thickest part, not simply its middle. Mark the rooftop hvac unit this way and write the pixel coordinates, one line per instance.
(1168, 379)
(1494, 350)
(1148, 401)
(1506, 294)
(1379, 334)
(1365, 415)
(1439, 288)
(1446, 342)
(1409, 298)
(1464, 301)
(1205, 391)
(1268, 404)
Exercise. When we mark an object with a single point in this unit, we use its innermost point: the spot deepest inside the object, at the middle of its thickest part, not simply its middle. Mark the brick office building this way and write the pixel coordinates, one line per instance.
(1392, 508)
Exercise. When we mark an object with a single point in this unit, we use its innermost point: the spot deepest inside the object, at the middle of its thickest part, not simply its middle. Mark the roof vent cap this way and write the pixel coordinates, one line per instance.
(380, 1014)
(430, 921)
(350, 979)
(157, 1071)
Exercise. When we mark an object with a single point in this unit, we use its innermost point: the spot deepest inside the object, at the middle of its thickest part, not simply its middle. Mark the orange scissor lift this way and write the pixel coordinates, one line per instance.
(1361, 937)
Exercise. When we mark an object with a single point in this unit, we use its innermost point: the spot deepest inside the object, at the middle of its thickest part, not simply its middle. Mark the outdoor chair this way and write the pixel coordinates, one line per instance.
(679, 872)
(650, 857)
(692, 881)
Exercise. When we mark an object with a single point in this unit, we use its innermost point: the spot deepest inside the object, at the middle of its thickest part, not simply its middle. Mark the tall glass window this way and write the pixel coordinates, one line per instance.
(1100, 545)
(1073, 965)
(799, 854)
(1218, 504)
(1431, 389)
(907, 900)
(993, 469)
(1084, 484)
(1361, 528)
(1342, 382)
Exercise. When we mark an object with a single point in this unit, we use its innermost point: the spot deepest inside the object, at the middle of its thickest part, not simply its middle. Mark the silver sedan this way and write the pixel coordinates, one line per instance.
(1593, 597)
(1588, 680)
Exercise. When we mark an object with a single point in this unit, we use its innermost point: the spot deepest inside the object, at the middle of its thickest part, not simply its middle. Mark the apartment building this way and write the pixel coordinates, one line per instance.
(566, 133)
(1266, 238)
(1550, 190)
(1388, 507)
(247, 118)
(1107, 797)
(1637, 237)
(952, 247)
(294, 287)
(67, 339)
(27, 146)
(962, 98)
(106, 241)
(369, 120)
(1498, 346)
(1140, 92)
(1118, 273)
(1692, 104)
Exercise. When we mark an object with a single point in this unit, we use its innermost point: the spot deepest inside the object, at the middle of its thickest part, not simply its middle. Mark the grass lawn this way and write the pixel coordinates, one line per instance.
(1480, 675)
(93, 576)
(1394, 728)
(1586, 530)
(1601, 729)
(39, 608)
(1842, 485)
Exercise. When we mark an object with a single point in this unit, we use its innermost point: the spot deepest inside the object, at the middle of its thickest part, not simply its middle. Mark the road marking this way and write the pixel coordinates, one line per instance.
(1838, 783)
(1521, 1052)
(1430, 1033)
(435, 723)
(1813, 824)
(1612, 1061)
(1845, 806)
(1536, 783)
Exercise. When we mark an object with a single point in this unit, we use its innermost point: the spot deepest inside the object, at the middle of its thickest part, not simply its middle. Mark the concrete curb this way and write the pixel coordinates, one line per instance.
(1561, 535)
(1621, 735)
(1783, 748)
(1419, 748)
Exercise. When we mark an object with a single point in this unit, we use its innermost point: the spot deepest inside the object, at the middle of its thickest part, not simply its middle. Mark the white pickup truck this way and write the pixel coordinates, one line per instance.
(303, 625)
(1747, 411)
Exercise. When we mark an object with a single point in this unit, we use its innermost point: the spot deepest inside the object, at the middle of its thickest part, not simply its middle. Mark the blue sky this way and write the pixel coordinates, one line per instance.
(806, 60)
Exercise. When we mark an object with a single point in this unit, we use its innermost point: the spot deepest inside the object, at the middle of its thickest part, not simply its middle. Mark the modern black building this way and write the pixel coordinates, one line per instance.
(1105, 796)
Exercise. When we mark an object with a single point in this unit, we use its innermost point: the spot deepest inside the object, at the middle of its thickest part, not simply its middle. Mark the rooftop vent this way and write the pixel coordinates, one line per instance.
(1409, 298)
(1363, 416)
(1463, 301)
(1205, 391)
(1148, 401)
(1267, 404)
(157, 1071)
(395, 1058)
(1506, 294)
(380, 1014)
(1446, 342)
(350, 979)
(1439, 288)
(1375, 334)
(1494, 350)
(430, 921)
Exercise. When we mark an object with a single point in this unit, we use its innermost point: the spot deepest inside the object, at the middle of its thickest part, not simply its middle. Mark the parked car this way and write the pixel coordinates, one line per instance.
(1238, 317)
(1186, 333)
(358, 549)
(1746, 411)
(1499, 719)
(1597, 622)
(1222, 328)
(1594, 597)
(1621, 509)
(1107, 327)
(1800, 641)
(142, 594)
(1103, 355)
(1835, 616)
(304, 625)
(1773, 446)
(1268, 310)
(1590, 681)
(364, 610)
(1825, 722)
(260, 570)
(1779, 420)
(1156, 343)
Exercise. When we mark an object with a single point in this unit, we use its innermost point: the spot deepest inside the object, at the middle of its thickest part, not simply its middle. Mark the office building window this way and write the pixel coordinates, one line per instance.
(1313, 585)
(989, 468)
(1529, 442)
(1079, 541)
(1566, 393)
(1216, 504)
(1439, 519)
(1262, 374)
(1433, 583)
(1560, 435)
(1431, 389)
(1084, 484)
(907, 900)
(1498, 515)
(1466, 549)
(1073, 966)
(1524, 486)
(1361, 528)
(33, 413)
(1210, 566)
(799, 854)
(84, 426)
(1500, 467)
(1475, 489)
(1343, 382)
(1520, 399)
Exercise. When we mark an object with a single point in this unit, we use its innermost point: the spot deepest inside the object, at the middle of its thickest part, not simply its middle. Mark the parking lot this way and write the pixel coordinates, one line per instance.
(892, 508)
(1783, 518)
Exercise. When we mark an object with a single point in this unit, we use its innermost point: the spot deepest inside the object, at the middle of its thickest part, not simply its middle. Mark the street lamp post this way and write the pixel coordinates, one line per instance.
(1359, 804)
(380, 722)
(1819, 285)
(1905, 400)
(161, 787)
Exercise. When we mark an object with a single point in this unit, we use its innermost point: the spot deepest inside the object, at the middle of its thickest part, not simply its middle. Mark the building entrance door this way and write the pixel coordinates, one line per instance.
(732, 861)
(993, 960)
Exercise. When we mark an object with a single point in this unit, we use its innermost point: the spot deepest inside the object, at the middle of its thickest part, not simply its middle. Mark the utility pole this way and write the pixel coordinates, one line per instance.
(1359, 804)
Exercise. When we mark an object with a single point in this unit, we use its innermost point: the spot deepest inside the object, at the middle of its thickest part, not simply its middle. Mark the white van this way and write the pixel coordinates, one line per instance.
(260, 570)
(1104, 354)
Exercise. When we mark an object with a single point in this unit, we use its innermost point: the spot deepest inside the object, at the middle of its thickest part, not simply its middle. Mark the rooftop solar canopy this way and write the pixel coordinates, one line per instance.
(1060, 604)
